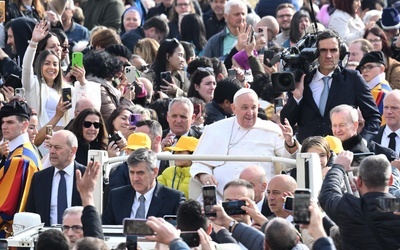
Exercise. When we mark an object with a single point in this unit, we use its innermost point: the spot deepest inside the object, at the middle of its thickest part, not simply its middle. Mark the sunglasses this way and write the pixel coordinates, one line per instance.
(87, 124)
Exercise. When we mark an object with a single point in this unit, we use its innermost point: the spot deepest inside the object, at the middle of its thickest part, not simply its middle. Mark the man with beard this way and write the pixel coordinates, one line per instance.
(284, 14)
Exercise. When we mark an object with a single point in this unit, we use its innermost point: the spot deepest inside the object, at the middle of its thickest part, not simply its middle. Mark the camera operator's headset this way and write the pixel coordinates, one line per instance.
(330, 34)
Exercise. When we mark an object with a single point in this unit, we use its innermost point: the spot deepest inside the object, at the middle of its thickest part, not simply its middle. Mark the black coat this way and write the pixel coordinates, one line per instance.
(350, 213)
(348, 87)
(39, 197)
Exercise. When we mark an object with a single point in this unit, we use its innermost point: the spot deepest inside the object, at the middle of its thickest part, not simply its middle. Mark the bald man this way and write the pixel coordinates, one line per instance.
(258, 179)
(276, 187)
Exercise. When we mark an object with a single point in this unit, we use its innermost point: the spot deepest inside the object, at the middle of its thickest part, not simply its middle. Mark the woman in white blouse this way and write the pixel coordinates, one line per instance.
(42, 78)
(346, 22)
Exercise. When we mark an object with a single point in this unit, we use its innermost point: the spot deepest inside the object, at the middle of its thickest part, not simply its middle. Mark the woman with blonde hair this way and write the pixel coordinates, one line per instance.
(147, 49)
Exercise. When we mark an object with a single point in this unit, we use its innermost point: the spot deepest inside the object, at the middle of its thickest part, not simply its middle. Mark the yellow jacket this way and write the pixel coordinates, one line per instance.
(176, 178)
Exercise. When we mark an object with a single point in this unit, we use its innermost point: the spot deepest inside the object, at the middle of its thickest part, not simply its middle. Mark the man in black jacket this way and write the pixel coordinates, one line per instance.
(311, 112)
(362, 225)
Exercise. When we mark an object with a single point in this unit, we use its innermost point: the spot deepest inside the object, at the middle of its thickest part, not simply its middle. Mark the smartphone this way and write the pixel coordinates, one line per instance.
(131, 242)
(232, 73)
(288, 203)
(268, 54)
(130, 73)
(20, 92)
(136, 227)
(197, 109)
(234, 207)
(77, 59)
(386, 204)
(171, 219)
(263, 31)
(301, 203)
(191, 238)
(115, 137)
(13, 81)
(66, 95)
(134, 118)
(278, 105)
(209, 199)
(166, 75)
(49, 130)
(3, 244)
(251, 35)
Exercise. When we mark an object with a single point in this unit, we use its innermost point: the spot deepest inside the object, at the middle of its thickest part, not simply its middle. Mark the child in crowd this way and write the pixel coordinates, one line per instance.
(178, 176)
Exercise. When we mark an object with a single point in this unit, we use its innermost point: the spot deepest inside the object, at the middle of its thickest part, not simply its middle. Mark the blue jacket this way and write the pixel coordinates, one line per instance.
(215, 45)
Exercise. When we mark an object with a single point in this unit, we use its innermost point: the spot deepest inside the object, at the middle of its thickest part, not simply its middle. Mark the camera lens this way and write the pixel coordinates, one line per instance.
(285, 80)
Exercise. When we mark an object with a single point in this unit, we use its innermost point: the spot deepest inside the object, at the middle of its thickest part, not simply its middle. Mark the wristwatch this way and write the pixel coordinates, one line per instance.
(232, 225)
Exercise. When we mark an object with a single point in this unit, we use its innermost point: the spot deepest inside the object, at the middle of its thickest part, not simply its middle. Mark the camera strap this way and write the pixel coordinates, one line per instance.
(371, 227)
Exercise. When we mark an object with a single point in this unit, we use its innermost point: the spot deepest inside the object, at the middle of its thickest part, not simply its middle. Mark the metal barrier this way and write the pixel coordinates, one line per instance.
(308, 167)
(308, 176)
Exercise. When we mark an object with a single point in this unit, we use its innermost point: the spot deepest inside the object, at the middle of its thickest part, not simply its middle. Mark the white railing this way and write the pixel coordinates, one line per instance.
(308, 167)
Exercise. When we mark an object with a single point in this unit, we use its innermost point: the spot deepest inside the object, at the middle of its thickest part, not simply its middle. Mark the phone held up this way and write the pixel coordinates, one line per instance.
(136, 227)
(301, 214)
(209, 199)
(77, 59)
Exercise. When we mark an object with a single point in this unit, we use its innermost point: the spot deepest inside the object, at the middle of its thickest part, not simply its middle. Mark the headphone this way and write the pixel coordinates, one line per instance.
(326, 34)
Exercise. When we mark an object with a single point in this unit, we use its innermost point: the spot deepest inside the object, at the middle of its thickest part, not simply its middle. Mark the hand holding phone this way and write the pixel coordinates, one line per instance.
(197, 109)
(234, 207)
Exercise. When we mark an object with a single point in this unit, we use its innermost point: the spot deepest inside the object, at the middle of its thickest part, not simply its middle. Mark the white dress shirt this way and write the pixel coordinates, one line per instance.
(69, 178)
(136, 203)
(317, 85)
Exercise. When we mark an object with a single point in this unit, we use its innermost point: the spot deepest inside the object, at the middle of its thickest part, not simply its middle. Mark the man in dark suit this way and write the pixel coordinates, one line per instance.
(144, 197)
(180, 118)
(309, 105)
(391, 113)
(54, 189)
(257, 177)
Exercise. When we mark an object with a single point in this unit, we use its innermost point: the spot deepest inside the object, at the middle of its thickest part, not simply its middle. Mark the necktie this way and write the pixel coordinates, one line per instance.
(141, 211)
(324, 95)
(61, 197)
(392, 141)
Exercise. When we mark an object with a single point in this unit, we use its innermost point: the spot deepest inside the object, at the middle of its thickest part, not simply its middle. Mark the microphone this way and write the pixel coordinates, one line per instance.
(274, 60)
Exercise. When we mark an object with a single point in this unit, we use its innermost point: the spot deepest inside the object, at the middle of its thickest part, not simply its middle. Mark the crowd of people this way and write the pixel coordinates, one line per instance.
(197, 77)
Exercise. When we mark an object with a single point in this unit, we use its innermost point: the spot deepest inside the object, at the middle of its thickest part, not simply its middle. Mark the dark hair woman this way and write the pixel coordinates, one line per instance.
(171, 57)
(91, 133)
(202, 84)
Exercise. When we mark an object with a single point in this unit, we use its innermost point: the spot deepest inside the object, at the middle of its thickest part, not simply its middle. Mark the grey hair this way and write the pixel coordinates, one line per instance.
(143, 155)
(375, 171)
(183, 100)
(73, 210)
(230, 3)
(138, 109)
(353, 113)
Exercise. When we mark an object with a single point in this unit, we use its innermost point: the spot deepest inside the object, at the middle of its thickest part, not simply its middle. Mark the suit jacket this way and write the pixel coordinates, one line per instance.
(378, 137)
(40, 193)
(348, 87)
(165, 201)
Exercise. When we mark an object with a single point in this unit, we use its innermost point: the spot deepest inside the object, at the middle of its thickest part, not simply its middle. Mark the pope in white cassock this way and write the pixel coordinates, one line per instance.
(243, 134)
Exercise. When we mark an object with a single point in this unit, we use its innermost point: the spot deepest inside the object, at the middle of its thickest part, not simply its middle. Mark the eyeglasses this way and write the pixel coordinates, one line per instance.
(75, 228)
(375, 40)
(205, 69)
(367, 68)
(182, 4)
(87, 124)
